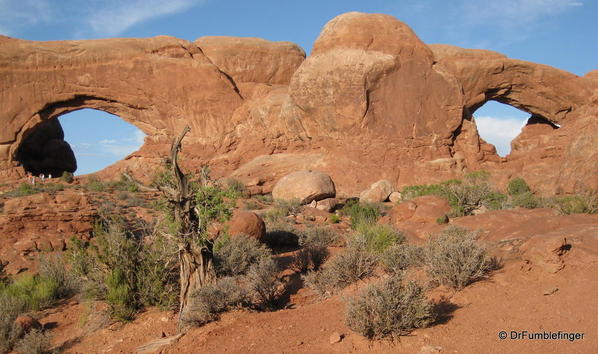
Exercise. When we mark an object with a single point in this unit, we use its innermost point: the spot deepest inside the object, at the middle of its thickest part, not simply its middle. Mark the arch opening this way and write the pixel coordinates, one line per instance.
(499, 124)
(81, 141)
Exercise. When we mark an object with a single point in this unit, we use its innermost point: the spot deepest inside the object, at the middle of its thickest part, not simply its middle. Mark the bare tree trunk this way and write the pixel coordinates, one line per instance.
(195, 255)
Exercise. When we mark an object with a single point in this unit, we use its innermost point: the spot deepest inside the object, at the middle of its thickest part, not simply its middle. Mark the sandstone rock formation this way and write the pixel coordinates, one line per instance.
(371, 102)
(247, 223)
(378, 192)
(304, 186)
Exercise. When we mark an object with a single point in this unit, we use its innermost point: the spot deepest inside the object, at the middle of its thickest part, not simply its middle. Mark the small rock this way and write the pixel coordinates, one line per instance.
(336, 337)
(27, 323)
(395, 197)
(550, 291)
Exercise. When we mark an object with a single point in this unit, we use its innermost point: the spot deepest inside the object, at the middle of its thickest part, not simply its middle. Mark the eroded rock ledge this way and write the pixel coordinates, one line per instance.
(371, 102)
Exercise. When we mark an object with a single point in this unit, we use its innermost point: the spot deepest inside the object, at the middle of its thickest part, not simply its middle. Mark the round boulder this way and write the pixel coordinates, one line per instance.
(247, 223)
(304, 186)
(378, 192)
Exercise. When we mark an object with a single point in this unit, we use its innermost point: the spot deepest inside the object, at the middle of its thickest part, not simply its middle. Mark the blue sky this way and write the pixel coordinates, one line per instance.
(560, 33)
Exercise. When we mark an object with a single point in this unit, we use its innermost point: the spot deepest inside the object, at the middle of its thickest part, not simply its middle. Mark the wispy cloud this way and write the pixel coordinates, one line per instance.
(122, 15)
(499, 131)
(91, 18)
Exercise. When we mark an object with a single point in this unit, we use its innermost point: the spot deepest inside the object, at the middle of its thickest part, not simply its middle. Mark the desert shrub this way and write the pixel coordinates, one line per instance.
(10, 308)
(282, 209)
(281, 234)
(361, 213)
(125, 184)
(575, 204)
(237, 254)
(355, 263)
(444, 219)
(120, 295)
(400, 256)
(54, 268)
(158, 274)
(262, 283)
(67, 177)
(453, 258)
(517, 186)
(318, 237)
(309, 258)
(378, 237)
(526, 200)
(94, 184)
(252, 205)
(108, 266)
(235, 187)
(463, 196)
(265, 198)
(389, 309)
(210, 300)
(335, 219)
(34, 342)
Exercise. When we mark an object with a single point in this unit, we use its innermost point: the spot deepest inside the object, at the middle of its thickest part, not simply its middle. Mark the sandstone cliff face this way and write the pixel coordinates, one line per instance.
(371, 102)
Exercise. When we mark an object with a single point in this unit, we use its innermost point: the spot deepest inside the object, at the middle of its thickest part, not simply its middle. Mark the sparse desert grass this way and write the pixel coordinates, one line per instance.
(282, 209)
(389, 309)
(25, 189)
(378, 237)
(354, 263)
(454, 258)
(361, 213)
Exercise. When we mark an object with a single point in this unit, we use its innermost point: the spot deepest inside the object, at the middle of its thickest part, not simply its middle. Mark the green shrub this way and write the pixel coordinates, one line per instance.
(453, 258)
(526, 200)
(378, 237)
(120, 296)
(389, 309)
(108, 267)
(335, 219)
(54, 268)
(355, 263)
(361, 213)
(158, 273)
(575, 204)
(67, 177)
(235, 187)
(237, 254)
(210, 300)
(517, 186)
(266, 198)
(282, 209)
(34, 342)
(94, 184)
(400, 256)
(463, 196)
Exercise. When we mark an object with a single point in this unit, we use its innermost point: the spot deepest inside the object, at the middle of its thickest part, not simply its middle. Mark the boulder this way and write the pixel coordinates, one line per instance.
(304, 186)
(378, 192)
(425, 209)
(247, 223)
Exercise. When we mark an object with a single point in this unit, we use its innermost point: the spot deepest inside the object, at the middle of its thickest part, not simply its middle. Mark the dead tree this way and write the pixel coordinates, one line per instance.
(195, 250)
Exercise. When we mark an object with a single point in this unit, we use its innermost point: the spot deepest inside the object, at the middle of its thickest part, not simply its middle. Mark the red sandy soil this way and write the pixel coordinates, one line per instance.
(531, 292)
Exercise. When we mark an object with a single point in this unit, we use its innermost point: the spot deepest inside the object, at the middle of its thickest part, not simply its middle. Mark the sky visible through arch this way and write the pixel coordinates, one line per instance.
(559, 33)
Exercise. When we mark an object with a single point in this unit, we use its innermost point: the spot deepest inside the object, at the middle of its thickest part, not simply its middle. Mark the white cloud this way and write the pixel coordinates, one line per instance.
(91, 18)
(119, 16)
(499, 131)
(513, 13)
